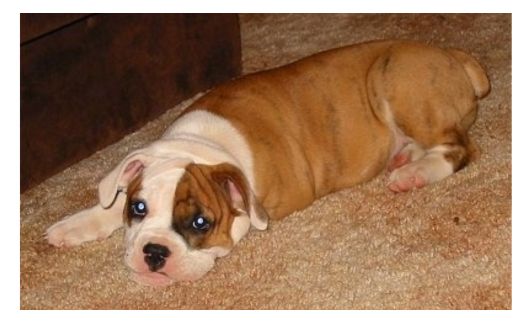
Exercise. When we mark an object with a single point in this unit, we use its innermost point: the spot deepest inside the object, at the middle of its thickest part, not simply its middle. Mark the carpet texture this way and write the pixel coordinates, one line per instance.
(446, 246)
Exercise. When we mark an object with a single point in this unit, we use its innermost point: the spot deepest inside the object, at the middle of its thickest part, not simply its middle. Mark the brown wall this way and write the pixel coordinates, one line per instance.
(87, 80)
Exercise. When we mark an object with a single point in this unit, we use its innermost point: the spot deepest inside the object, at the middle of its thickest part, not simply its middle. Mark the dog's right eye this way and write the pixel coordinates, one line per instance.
(138, 209)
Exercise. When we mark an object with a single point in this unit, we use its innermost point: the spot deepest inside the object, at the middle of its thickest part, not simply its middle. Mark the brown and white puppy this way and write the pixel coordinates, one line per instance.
(270, 143)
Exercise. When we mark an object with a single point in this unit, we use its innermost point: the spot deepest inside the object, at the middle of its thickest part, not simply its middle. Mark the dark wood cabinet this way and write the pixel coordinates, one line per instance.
(89, 79)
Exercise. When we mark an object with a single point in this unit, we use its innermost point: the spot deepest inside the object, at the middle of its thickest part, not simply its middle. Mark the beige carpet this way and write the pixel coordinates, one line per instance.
(447, 246)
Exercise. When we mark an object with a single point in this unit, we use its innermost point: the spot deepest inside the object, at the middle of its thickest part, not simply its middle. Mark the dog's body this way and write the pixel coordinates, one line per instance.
(271, 143)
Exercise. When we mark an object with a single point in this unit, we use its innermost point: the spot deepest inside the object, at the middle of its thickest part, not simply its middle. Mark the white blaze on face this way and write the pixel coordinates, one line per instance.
(157, 192)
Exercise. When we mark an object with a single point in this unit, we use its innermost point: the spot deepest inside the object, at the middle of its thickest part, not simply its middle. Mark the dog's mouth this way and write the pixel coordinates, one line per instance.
(156, 279)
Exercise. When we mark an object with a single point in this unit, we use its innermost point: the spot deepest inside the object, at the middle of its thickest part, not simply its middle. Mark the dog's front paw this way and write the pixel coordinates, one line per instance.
(77, 229)
(66, 233)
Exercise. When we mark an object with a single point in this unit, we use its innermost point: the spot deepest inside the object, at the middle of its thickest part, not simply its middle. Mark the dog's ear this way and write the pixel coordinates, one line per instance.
(121, 176)
(160, 152)
(241, 195)
(132, 165)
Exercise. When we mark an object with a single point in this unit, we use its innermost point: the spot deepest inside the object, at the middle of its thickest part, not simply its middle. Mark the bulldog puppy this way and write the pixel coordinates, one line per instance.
(267, 144)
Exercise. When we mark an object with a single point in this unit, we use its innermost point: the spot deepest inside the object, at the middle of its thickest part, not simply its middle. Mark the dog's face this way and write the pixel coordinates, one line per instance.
(180, 216)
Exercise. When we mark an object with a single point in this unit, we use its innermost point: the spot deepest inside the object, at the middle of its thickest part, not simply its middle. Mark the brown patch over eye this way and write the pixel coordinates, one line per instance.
(132, 194)
(199, 195)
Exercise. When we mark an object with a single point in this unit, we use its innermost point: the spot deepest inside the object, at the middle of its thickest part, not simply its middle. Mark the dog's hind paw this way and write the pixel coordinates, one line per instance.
(406, 179)
(429, 169)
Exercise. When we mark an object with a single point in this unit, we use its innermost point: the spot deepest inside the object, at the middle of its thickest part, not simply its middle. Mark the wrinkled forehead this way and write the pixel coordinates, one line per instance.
(163, 172)
(199, 194)
(186, 179)
(156, 184)
(196, 186)
(156, 187)
(191, 184)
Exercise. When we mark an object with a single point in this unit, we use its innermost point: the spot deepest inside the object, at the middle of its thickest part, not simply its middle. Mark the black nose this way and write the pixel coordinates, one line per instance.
(155, 256)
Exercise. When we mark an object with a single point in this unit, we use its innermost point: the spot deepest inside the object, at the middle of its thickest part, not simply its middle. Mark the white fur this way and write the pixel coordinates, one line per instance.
(400, 139)
(430, 168)
(439, 166)
(86, 225)
(424, 167)
(414, 151)
(218, 130)
(158, 192)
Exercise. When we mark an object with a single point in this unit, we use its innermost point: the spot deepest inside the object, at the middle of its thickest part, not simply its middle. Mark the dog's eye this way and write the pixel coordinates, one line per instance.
(138, 209)
(200, 223)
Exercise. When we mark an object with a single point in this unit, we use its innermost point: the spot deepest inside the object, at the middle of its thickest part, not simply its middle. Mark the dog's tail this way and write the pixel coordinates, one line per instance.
(477, 75)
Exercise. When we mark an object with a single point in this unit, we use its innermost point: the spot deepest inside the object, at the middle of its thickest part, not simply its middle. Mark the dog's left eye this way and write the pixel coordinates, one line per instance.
(200, 223)
(138, 209)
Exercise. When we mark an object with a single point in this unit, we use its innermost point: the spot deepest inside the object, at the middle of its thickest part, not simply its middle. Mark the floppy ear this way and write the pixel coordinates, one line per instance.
(241, 195)
(121, 176)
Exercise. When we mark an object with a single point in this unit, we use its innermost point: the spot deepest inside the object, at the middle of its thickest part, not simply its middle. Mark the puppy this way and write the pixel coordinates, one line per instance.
(270, 143)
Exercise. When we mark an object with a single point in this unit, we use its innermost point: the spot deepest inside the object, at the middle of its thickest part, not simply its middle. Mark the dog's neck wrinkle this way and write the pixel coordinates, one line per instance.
(198, 139)
(207, 135)
(209, 130)
(220, 152)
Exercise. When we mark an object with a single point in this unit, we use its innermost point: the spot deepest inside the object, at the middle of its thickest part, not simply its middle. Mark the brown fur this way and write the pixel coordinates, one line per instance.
(317, 125)
(133, 188)
(203, 189)
(306, 141)
(433, 98)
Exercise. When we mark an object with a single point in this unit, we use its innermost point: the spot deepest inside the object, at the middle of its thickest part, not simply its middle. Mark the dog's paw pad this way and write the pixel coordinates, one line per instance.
(404, 185)
(406, 178)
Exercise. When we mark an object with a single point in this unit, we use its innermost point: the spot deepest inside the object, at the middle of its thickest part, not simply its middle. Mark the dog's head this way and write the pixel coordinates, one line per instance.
(180, 216)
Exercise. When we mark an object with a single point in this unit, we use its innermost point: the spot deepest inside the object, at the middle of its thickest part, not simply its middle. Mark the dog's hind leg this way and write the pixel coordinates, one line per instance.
(86, 225)
(417, 161)
(428, 156)
(428, 98)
